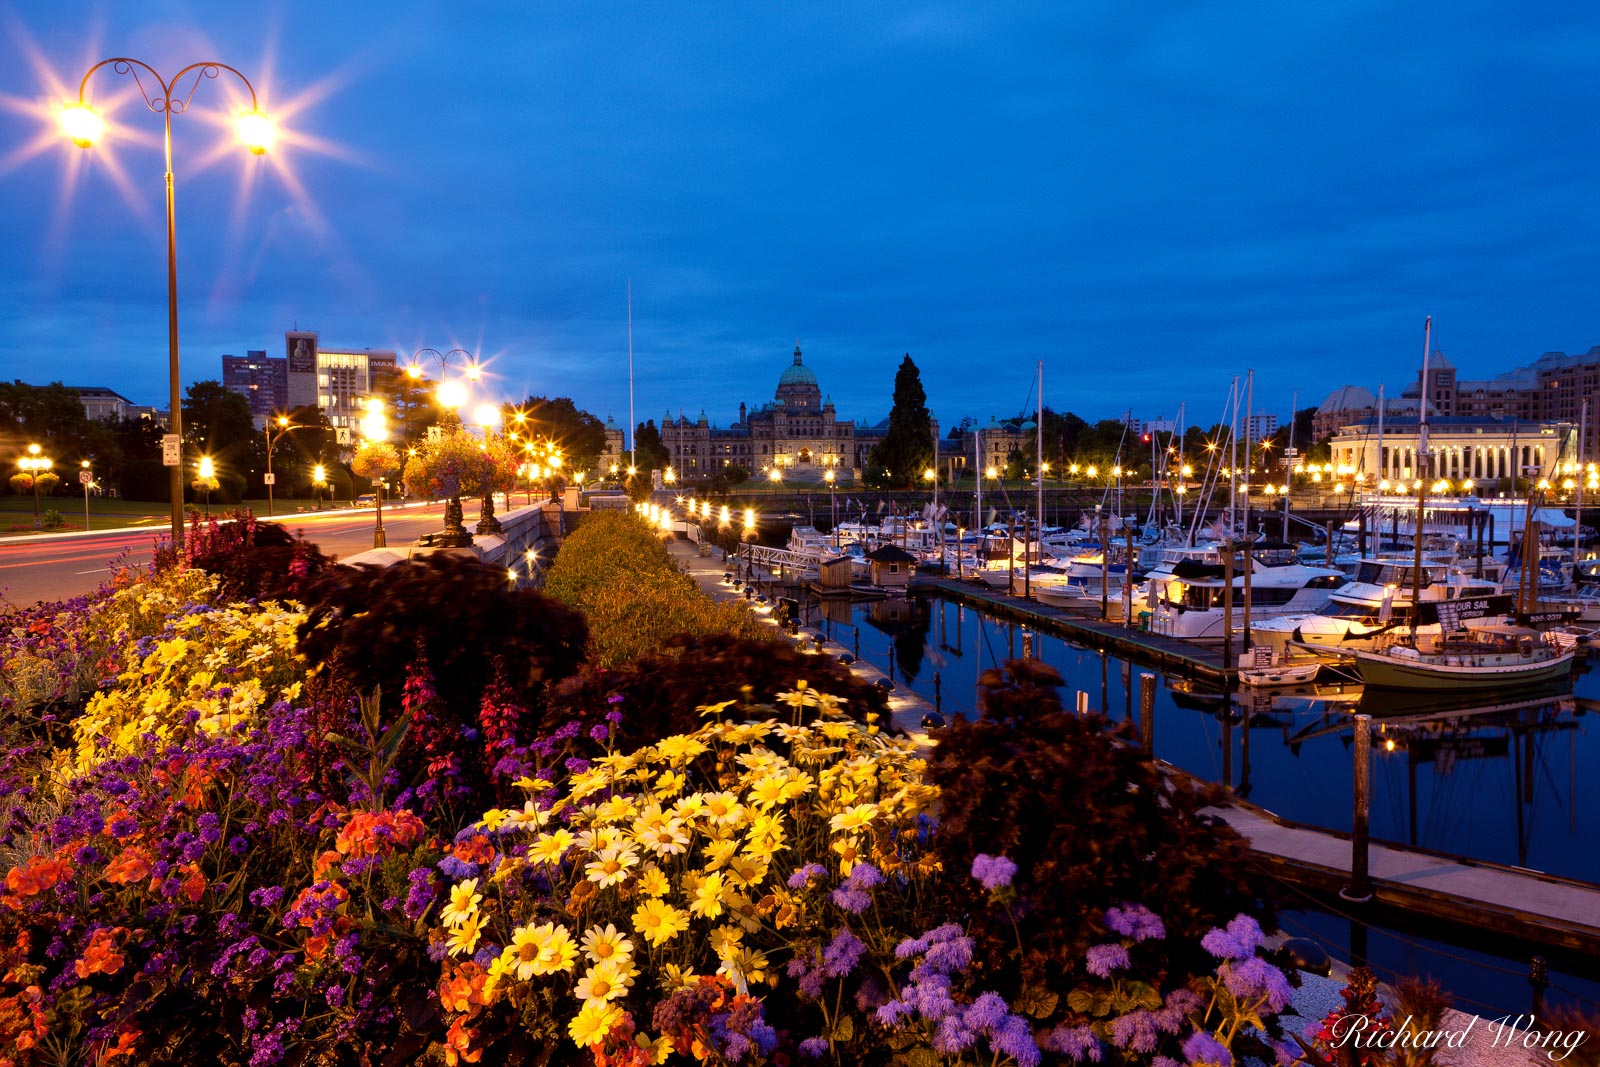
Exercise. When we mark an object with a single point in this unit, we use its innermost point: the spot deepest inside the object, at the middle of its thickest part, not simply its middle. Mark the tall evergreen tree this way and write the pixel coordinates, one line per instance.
(907, 448)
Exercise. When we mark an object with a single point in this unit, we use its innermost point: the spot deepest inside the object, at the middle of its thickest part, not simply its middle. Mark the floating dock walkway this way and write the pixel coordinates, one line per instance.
(1183, 658)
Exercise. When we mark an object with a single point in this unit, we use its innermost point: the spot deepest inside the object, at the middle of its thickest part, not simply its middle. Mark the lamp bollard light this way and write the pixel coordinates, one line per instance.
(86, 479)
(35, 465)
(83, 125)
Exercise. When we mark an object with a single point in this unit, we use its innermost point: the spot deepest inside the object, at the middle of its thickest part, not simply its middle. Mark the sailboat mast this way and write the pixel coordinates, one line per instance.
(1038, 453)
(977, 481)
(1583, 430)
(1288, 474)
(1422, 480)
(632, 426)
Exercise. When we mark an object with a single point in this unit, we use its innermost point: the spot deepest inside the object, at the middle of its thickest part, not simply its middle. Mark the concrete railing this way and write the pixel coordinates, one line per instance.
(536, 529)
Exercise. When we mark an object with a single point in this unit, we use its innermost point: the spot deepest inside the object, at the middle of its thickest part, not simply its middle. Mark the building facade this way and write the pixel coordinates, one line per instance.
(1552, 389)
(1490, 451)
(799, 433)
(262, 380)
(336, 380)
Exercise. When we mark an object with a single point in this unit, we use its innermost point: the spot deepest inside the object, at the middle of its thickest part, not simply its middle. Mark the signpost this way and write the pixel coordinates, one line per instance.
(171, 450)
(86, 479)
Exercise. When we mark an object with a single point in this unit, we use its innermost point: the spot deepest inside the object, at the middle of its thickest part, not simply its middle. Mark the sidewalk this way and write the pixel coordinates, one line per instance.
(906, 709)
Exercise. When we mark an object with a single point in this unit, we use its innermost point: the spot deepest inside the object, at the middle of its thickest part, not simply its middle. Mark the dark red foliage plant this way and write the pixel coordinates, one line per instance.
(660, 693)
(1091, 822)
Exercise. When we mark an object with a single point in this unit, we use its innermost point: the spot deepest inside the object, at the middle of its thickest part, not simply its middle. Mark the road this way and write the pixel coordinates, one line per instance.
(53, 567)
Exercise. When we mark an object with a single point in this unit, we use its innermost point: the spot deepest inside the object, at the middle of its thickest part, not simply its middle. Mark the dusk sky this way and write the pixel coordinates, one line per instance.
(1151, 198)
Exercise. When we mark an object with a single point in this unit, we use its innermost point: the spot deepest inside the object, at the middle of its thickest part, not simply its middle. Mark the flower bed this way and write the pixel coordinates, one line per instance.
(236, 855)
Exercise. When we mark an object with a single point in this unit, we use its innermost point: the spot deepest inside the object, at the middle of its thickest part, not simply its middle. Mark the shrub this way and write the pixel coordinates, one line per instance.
(1090, 821)
(615, 570)
(371, 627)
(253, 560)
(661, 691)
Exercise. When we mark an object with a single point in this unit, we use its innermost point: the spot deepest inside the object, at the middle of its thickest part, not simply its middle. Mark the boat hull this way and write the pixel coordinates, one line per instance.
(1438, 672)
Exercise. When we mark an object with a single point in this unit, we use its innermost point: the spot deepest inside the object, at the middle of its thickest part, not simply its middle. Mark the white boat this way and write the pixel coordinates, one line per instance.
(1190, 599)
(1299, 672)
(1374, 609)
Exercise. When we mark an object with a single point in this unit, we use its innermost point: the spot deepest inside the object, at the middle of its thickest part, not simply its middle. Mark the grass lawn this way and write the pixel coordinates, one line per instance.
(16, 512)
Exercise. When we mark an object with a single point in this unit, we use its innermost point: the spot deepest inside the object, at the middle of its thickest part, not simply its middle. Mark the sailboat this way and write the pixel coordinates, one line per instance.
(1481, 658)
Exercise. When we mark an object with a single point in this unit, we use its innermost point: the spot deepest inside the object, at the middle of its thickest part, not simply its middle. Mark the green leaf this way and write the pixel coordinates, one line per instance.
(1144, 995)
(900, 1039)
(844, 1029)
(1081, 1001)
(1036, 1001)
(917, 1057)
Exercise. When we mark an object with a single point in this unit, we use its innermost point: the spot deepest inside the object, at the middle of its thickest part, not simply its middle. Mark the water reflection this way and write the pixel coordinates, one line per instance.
(1502, 779)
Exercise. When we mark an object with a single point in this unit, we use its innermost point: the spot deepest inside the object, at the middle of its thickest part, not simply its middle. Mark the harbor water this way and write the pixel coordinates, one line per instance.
(1512, 778)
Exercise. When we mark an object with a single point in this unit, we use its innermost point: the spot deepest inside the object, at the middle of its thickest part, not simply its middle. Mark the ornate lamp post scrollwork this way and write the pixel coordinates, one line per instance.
(167, 98)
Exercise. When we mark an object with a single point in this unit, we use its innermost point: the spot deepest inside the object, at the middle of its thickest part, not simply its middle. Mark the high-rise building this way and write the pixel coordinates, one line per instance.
(333, 379)
(1260, 427)
(261, 379)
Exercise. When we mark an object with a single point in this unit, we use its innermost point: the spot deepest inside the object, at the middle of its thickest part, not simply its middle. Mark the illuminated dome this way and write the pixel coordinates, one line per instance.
(799, 374)
(797, 387)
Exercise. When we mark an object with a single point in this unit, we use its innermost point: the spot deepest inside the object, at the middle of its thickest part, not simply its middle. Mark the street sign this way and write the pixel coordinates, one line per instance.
(171, 450)
(270, 479)
(435, 434)
(342, 435)
(85, 478)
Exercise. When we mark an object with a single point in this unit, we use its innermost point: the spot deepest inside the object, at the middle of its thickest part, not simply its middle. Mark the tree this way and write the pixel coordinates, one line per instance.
(649, 452)
(409, 403)
(580, 435)
(42, 414)
(217, 422)
(908, 446)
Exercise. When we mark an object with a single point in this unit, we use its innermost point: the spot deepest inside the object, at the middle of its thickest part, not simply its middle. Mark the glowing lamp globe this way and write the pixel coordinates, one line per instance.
(82, 124)
(255, 131)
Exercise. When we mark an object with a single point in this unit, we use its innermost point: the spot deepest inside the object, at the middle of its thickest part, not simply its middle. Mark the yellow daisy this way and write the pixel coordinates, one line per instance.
(464, 901)
(850, 854)
(557, 953)
(493, 818)
(707, 901)
(854, 818)
(522, 955)
(718, 853)
(767, 792)
(601, 983)
(606, 945)
(668, 839)
(464, 938)
(723, 808)
(610, 866)
(549, 848)
(659, 922)
(653, 882)
(674, 978)
(591, 1025)
(657, 1050)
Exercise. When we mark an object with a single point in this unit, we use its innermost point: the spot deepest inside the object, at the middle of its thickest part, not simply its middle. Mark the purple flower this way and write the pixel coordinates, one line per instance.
(864, 876)
(814, 1048)
(1136, 1032)
(802, 877)
(949, 956)
(842, 954)
(1252, 978)
(852, 900)
(952, 1036)
(1077, 1043)
(1135, 922)
(1015, 1039)
(458, 868)
(986, 1013)
(1101, 960)
(1238, 941)
(1203, 1048)
(993, 871)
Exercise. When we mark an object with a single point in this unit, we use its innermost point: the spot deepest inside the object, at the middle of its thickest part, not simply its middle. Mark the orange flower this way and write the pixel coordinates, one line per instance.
(324, 861)
(316, 945)
(194, 886)
(475, 849)
(123, 1047)
(458, 1044)
(36, 876)
(464, 988)
(369, 833)
(101, 957)
(132, 866)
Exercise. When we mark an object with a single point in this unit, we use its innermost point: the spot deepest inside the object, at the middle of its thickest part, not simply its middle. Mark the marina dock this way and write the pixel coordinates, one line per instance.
(1509, 901)
(1183, 658)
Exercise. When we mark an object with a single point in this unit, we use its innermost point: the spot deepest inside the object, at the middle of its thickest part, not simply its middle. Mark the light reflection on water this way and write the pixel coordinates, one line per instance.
(1509, 778)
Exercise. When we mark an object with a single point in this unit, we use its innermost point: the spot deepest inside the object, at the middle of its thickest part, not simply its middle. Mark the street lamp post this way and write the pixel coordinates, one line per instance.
(284, 427)
(83, 124)
(86, 479)
(319, 481)
(375, 427)
(206, 477)
(833, 506)
(36, 465)
(487, 416)
(932, 475)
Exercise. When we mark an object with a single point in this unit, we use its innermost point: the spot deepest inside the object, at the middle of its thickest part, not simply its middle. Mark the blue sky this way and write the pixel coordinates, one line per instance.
(1151, 198)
